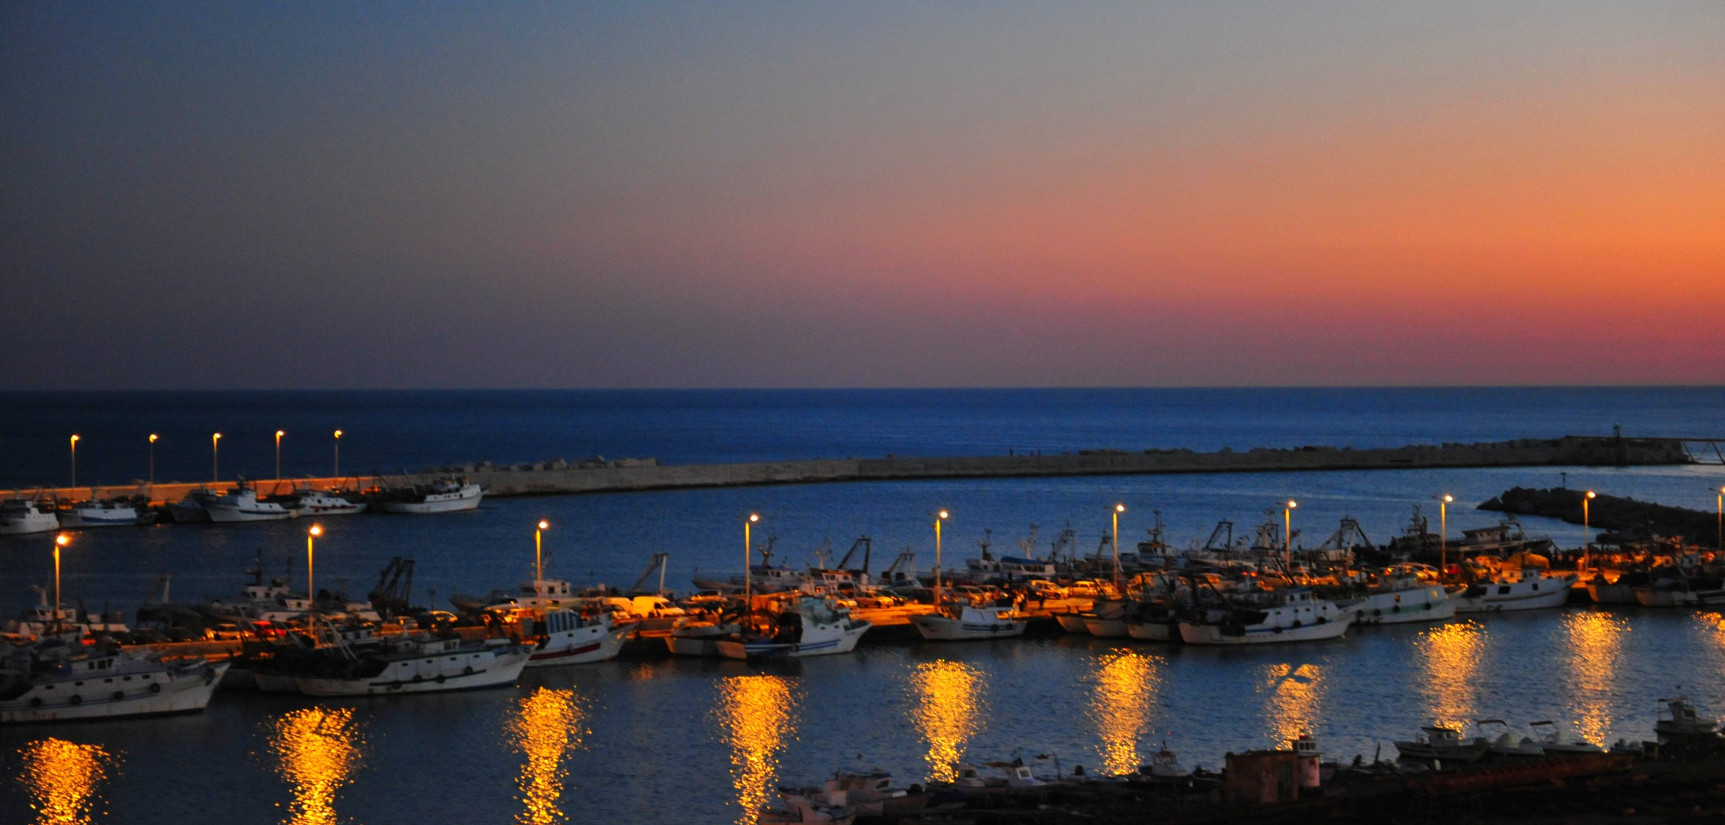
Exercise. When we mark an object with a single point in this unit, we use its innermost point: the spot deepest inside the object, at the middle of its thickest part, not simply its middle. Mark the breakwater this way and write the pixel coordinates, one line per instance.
(600, 475)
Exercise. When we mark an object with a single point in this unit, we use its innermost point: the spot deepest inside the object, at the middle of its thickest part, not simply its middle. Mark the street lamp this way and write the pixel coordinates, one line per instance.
(538, 556)
(1443, 503)
(749, 559)
(74, 459)
(59, 541)
(938, 518)
(1288, 535)
(215, 456)
(1586, 531)
(337, 472)
(310, 593)
(152, 458)
(1719, 536)
(279, 435)
(1118, 509)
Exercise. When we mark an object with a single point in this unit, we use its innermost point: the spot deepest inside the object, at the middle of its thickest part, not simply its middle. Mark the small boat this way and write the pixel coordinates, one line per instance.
(1289, 614)
(700, 635)
(1559, 741)
(870, 792)
(1515, 588)
(1679, 718)
(417, 664)
(113, 512)
(242, 504)
(320, 503)
(442, 496)
(24, 516)
(1165, 767)
(52, 682)
(963, 621)
(799, 626)
(1441, 743)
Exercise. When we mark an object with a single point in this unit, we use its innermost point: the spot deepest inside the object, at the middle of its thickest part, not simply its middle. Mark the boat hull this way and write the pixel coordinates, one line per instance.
(1504, 597)
(594, 643)
(429, 673)
(1425, 604)
(971, 623)
(165, 692)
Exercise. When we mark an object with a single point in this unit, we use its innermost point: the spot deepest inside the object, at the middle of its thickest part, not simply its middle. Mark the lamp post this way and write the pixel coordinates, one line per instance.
(59, 541)
(938, 518)
(748, 559)
(538, 555)
(1719, 535)
(310, 592)
(215, 457)
(1118, 509)
(1288, 535)
(337, 472)
(74, 459)
(152, 458)
(1443, 503)
(1586, 531)
(279, 435)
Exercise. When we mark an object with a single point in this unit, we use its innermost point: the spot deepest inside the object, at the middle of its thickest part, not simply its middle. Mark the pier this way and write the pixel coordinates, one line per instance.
(631, 474)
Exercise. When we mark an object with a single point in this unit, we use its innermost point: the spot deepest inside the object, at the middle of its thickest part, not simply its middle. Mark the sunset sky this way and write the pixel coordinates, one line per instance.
(751, 194)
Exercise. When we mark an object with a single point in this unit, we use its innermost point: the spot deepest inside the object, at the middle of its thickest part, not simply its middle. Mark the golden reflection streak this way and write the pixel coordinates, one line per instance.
(1125, 683)
(319, 749)
(1449, 654)
(947, 712)
(758, 714)
(1292, 696)
(1595, 640)
(63, 777)
(547, 725)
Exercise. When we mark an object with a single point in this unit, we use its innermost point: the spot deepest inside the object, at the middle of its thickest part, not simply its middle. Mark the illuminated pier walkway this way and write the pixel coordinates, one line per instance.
(600, 476)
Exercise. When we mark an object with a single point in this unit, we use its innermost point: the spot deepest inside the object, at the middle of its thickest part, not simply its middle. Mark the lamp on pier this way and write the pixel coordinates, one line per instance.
(74, 459)
(215, 457)
(279, 435)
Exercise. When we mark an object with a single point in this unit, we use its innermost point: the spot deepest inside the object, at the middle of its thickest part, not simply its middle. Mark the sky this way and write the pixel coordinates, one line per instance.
(899, 194)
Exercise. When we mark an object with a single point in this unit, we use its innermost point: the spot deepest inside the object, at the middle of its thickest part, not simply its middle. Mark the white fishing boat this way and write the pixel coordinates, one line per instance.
(796, 627)
(442, 496)
(192, 509)
(566, 635)
(1515, 588)
(114, 512)
(320, 503)
(242, 504)
(21, 516)
(965, 621)
(1443, 744)
(1289, 614)
(1678, 717)
(52, 682)
(1402, 594)
(417, 664)
(699, 635)
(1559, 741)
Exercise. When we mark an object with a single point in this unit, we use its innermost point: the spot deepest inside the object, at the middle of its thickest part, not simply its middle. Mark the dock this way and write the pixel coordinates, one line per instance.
(599, 475)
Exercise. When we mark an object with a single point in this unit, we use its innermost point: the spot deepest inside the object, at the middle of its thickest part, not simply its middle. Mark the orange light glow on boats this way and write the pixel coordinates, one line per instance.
(1292, 697)
(1126, 685)
(1449, 655)
(318, 749)
(548, 724)
(758, 715)
(64, 778)
(947, 712)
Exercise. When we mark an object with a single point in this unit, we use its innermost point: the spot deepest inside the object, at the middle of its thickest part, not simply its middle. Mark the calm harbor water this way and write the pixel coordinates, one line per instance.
(652, 739)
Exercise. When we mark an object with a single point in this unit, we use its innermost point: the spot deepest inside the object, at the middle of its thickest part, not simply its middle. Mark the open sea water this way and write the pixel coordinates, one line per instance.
(653, 739)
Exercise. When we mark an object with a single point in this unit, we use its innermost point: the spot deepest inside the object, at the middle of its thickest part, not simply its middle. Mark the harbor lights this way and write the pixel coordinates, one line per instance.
(279, 435)
(1719, 535)
(74, 459)
(1443, 503)
(310, 536)
(938, 518)
(538, 555)
(1288, 535)
(337, 472)
(152, 458)
(749, 559)
(59, 541)
(1586, 531)
(215, 457)
(1118, 509)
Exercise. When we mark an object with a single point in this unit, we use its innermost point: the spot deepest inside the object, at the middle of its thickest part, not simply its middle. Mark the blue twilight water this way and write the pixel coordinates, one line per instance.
(651, 739)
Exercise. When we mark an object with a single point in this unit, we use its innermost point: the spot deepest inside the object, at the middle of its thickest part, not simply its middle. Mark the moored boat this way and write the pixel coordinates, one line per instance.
(442, 496)
(1515, 588)
(797, 627)
(21, 516)
(964, 621)
(1289, 614)
(416, 665)
(1442, 744)
(52, 682)
(114, 512)
(242, 504)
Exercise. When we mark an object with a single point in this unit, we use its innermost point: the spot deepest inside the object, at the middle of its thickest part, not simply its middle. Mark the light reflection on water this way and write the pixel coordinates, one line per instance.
(64, 778)
(318, 750)
(1293, 696)
(1595, 643)
(548, 724)
(947, 710)
(758, 714)
(1126, 686)
(1449, 657)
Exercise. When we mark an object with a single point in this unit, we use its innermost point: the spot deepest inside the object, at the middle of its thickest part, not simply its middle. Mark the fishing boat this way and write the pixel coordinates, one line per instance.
(21, 516)
(242, 504)
(1560, 741)
(1506, 589)
(53, 682)
(870, 792)
(1402, 594)
(1678, 717)
(192, 509)
(446, 495)
(418, 663)
(320, 503)
(1443, 744)
(113, 512)
(959, 621)
(1288, 614)
(565, 635)
(795, 627)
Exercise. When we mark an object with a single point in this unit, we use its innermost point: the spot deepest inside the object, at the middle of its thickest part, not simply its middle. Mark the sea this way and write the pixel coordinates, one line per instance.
(648, 738)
